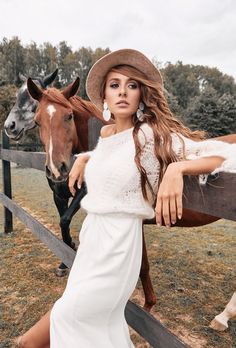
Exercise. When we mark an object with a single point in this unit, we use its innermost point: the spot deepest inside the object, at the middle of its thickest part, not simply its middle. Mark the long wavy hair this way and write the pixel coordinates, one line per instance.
(158, 116)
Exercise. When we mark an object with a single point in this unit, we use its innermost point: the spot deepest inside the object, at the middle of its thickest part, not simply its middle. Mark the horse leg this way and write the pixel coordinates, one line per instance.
(220, 322)
(73, 208)
(66, 215)
(62, 206)
(150, 297)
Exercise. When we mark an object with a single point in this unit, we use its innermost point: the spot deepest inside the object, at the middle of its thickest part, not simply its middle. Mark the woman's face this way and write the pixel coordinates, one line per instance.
(122, 95)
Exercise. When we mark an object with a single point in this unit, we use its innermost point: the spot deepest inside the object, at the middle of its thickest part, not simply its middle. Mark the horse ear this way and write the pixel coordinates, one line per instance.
(34, 90)
(50, 78)
(22, 77)
(72, 89)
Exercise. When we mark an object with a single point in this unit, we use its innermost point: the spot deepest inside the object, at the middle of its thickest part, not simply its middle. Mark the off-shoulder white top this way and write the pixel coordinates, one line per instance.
(113, 180)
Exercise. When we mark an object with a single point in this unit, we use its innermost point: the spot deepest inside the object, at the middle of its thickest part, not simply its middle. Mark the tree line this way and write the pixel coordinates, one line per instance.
(202, 97)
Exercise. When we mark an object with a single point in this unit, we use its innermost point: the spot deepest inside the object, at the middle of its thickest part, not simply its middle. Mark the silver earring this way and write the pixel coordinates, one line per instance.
(106, 112)
(139, 112)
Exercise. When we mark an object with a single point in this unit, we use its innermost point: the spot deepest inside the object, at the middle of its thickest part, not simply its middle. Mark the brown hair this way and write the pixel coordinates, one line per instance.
(159, 117)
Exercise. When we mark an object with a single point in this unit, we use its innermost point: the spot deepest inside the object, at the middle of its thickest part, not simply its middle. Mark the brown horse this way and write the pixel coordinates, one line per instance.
(64, 120)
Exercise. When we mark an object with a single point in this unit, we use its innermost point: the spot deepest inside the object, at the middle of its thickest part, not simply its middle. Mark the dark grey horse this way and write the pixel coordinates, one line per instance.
(21, 116)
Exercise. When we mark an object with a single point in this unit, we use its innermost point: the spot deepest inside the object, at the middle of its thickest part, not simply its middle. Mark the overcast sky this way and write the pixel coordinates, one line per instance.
(193, 31)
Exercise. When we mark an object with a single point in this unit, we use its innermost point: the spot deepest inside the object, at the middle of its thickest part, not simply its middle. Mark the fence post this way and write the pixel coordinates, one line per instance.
(6, 171)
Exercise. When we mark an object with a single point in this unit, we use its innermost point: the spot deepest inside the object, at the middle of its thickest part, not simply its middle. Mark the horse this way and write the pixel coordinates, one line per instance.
(21, 116)
(220, 322)
(59, 113)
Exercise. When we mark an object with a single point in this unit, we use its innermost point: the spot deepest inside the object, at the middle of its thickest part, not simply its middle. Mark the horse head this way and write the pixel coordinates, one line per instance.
(57, 130)
(21, 116)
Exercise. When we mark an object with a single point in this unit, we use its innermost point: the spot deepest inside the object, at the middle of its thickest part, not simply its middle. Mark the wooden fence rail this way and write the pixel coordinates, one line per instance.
(216, 198)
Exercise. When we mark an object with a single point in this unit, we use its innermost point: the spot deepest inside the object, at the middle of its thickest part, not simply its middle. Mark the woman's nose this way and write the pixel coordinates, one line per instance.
(122, 93)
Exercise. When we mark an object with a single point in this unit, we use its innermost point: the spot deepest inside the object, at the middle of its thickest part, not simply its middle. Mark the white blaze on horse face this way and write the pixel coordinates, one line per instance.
(51, 110)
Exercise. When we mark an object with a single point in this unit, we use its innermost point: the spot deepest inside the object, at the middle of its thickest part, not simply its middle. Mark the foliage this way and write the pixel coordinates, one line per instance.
(212, 113)
(202, 97)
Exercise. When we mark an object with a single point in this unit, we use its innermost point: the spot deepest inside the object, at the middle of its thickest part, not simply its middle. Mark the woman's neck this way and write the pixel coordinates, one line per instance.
(121, 125)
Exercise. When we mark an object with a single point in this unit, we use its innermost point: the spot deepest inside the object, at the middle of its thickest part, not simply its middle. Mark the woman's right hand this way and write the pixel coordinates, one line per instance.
(77, 173)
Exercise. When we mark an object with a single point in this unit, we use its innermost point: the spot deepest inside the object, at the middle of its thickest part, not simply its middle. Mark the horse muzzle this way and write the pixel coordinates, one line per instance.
(58, 173)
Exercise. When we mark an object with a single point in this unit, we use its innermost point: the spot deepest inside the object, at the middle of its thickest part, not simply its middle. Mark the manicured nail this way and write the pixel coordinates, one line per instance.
(173, 222)
(167, 225)
(179, 216)
(158, 225)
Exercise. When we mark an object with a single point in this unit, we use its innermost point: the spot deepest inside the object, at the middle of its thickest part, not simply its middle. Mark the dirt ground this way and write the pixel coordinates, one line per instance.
(193, 271)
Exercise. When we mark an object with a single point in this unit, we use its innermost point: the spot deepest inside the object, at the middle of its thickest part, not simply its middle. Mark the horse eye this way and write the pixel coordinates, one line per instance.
(69, 117)
(37, 124)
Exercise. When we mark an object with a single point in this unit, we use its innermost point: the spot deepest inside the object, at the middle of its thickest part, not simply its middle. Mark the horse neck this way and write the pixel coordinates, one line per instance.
(83, 110)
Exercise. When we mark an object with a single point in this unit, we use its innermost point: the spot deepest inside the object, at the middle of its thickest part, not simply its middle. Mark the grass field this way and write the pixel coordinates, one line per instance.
(193, 271)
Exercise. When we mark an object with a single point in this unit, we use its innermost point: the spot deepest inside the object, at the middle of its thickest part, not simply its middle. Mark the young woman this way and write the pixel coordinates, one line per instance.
(134, 173)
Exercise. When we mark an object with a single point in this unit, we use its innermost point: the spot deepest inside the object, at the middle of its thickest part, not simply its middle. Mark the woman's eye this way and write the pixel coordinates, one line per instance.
(114, 85)
(133, 85)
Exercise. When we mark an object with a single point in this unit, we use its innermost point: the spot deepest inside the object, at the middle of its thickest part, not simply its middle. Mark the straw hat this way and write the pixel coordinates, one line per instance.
(125, 56)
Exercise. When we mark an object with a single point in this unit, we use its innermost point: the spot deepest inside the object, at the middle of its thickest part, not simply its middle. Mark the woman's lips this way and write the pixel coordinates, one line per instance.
(122, 103)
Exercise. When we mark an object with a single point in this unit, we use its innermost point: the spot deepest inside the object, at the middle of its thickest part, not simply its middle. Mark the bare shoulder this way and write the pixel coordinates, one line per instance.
(107, 130)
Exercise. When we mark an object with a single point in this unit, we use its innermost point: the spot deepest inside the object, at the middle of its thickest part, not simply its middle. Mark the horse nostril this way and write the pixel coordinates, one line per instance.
(64, 169)
(12, 126)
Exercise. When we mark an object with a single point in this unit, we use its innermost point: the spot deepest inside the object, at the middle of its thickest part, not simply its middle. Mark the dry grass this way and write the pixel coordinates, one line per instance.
(193, 271)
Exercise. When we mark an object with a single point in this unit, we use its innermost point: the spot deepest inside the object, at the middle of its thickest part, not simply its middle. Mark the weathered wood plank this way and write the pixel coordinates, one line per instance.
(216, 198)
(6, 172)
(34, 160)
(58, 247)
(150, 328)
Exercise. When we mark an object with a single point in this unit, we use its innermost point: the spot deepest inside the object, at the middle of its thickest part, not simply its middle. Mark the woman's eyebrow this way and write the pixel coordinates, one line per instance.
(114, 79)
(117, 79)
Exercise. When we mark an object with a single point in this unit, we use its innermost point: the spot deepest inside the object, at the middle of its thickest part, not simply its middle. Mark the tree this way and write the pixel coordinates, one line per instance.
(12, 58)
(33, 66)
(212, 113)
(48, 58)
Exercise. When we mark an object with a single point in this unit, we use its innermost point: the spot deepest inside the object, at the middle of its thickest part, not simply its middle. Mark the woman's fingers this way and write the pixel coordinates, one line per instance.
(168, 208)
(166, 211)
(158, 211)
(173, 211)
(179, 205)
(76, 173)
(80, 180)
(71, 184)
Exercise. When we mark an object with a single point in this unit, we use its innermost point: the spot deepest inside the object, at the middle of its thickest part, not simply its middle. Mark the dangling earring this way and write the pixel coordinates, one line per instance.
(106, 112)
(139, 112)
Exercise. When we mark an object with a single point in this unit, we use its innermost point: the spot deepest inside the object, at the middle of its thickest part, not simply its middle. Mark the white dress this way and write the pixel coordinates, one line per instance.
(90, 313)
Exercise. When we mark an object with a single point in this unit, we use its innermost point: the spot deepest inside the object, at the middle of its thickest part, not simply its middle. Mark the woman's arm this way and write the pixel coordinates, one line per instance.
(169, 197)
(77, 172)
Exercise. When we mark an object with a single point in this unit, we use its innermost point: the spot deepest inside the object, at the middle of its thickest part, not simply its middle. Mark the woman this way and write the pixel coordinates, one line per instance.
(135, 172)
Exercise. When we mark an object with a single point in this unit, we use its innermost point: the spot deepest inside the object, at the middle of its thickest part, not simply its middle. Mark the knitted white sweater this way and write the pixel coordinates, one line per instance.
(113, 180)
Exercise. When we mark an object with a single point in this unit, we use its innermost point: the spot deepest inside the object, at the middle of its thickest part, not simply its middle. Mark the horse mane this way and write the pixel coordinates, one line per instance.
(55, 96)
(82, 107)
(85, 107)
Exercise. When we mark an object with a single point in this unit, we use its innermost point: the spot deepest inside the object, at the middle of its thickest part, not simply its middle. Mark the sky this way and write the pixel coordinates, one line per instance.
(192, 31)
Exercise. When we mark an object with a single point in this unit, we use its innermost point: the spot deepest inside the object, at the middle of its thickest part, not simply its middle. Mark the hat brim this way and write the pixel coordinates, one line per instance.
(100, 69)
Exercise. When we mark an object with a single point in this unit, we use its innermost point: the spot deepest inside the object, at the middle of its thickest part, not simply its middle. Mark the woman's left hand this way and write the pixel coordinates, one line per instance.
(169, 197)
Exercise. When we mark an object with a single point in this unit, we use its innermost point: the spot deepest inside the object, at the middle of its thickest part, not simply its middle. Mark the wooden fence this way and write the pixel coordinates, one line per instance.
(216, 198)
